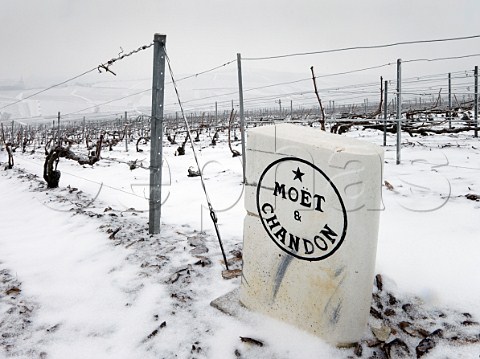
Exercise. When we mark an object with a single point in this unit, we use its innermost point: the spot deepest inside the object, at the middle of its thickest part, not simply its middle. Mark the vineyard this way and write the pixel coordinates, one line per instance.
(80, 273)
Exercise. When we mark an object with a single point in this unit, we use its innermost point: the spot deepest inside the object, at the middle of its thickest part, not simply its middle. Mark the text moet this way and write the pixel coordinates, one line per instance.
(301, 209)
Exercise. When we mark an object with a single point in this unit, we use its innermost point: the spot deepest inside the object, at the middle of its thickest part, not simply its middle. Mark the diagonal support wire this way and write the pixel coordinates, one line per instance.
(213, 215)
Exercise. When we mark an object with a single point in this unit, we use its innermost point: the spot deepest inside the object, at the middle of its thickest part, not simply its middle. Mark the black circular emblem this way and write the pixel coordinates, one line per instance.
(301, 209)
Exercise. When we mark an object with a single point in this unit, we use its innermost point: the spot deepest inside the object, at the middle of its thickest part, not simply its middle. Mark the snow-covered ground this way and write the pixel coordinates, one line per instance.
(72, 286)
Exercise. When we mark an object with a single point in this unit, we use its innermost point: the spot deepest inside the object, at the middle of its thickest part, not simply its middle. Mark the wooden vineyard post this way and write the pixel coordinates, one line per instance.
(385, 113)
(475, 102)
(126, 132)
(399, 110)
(449, 100)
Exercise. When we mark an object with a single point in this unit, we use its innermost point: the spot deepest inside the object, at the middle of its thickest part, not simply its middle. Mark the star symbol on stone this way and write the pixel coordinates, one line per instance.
(298, 174)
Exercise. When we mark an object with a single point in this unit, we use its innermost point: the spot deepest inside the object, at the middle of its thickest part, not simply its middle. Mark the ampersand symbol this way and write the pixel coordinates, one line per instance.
(296, 216)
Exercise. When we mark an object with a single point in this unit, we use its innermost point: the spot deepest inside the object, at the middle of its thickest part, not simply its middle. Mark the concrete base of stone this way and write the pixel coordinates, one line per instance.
(230, 304)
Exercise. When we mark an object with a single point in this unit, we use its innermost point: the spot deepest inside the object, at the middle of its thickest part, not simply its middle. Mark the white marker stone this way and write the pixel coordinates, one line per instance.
(313, 201)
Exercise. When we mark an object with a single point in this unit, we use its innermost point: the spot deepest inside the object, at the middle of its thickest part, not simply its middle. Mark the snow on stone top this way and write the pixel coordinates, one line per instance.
(289, 133)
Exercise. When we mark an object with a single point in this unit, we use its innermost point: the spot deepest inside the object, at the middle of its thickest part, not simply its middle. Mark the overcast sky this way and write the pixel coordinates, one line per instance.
(57, 39)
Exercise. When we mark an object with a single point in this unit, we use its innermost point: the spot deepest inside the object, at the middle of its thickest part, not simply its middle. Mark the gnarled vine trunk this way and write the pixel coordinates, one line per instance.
(50, 173)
